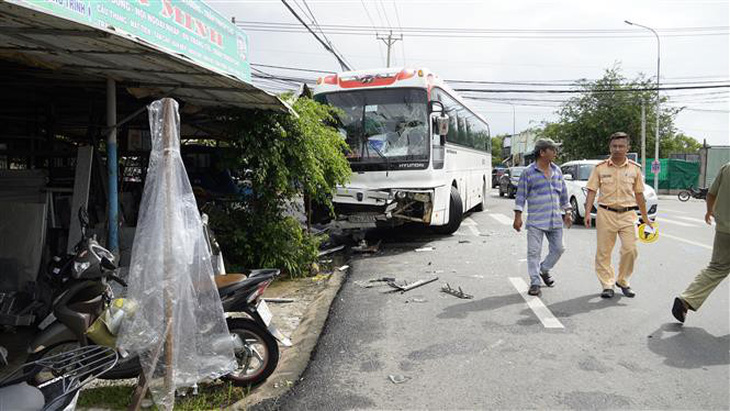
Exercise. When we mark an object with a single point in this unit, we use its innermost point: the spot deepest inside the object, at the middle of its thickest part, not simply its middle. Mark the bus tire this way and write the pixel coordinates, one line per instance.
(482, 204)
(456, 209)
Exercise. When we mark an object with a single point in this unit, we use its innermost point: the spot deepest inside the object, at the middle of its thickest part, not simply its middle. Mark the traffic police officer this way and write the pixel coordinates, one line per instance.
(620, 185)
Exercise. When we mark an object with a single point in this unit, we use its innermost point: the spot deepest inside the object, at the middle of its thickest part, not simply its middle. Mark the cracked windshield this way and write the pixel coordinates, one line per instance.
(383, 125)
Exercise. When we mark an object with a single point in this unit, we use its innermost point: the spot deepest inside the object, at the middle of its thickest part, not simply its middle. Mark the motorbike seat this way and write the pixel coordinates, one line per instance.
(225, 280)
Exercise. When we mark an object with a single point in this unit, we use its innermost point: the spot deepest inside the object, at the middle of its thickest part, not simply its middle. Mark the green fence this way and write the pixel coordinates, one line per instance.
(675, 174)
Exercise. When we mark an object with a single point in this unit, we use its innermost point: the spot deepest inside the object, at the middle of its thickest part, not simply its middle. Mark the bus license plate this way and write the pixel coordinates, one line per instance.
(365, 218)
(264, 312)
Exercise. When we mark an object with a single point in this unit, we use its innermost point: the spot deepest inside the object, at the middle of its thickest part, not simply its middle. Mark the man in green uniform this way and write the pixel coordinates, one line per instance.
(718, 206)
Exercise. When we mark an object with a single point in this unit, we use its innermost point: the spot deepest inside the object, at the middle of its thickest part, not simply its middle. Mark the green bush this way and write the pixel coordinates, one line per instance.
(286, 157)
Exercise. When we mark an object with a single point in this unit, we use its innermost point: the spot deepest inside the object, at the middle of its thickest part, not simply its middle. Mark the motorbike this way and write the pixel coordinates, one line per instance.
(84, 278)
(71, 370)
(692, 192)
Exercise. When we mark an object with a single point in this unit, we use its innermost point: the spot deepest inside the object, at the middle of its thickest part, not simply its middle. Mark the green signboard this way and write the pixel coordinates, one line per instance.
(187, 27)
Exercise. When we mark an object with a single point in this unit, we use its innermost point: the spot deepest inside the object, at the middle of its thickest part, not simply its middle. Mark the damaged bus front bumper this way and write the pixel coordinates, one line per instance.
(360, 208)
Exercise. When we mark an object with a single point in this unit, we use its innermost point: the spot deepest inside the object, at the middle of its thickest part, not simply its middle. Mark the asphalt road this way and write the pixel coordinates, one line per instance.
(569, 349)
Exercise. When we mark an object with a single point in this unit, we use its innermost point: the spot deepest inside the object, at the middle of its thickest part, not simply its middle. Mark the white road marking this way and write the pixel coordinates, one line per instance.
(661, 220)
(468, 221)
(696, 220)
(474, 230)
(501, 218)
(685, 241)
(536, 305)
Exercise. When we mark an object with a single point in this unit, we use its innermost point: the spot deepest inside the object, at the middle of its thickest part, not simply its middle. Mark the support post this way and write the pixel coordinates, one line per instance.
(111, 159)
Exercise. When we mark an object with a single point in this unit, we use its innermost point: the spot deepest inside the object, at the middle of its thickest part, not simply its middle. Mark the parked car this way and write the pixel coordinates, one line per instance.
(576, 174)
(508, 181)
(497, 173)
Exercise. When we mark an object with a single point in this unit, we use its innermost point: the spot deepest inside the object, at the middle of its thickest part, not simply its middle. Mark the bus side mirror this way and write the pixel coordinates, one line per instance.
(442, 125)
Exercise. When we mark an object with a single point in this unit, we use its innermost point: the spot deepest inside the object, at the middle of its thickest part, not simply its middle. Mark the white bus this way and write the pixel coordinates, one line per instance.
(418, 152)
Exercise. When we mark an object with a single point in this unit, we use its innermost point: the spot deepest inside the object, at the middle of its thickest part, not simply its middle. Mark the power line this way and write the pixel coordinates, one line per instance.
(400, 26)
(591, 91)
(489, 33)
(294, 68)
(493, 31)
(344, 65)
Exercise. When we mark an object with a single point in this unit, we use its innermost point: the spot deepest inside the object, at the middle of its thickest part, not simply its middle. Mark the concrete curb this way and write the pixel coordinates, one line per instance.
(294, 360)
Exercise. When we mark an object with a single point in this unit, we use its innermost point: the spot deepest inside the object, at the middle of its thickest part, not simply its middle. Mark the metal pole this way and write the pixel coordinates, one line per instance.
(643, 136)
(658, 111)
(389, 44)
(513, 118)
(111, 160)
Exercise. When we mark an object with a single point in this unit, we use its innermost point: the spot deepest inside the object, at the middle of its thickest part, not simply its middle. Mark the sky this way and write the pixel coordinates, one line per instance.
(545, 42)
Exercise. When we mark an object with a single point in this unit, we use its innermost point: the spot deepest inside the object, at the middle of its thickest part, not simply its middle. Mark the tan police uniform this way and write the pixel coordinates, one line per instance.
(617, 185)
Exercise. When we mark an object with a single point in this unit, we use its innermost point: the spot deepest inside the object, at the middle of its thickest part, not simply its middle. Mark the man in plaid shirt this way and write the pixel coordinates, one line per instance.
(542, 186)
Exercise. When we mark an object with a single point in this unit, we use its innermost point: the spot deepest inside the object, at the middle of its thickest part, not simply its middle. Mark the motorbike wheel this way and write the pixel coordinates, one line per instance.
(259, 356)
(683, 195)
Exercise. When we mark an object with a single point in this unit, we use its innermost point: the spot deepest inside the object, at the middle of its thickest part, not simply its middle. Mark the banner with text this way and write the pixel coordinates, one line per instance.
(187, 27)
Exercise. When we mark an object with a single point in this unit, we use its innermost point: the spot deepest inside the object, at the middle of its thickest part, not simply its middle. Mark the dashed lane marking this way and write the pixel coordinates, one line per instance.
(684, 240)
(661, 220)
(501, 218)
(543, 313)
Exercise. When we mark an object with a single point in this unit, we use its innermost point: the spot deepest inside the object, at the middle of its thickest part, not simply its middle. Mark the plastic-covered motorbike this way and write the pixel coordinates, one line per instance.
(85, 313)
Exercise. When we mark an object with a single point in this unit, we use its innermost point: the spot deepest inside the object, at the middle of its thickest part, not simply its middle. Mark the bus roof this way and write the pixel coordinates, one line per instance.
(380, 78)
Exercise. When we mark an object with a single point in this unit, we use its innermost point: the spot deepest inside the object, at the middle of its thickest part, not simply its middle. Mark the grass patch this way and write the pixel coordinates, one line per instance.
(216, 395)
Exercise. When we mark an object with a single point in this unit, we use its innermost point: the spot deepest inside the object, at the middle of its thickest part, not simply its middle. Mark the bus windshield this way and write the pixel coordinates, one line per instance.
(382, 125)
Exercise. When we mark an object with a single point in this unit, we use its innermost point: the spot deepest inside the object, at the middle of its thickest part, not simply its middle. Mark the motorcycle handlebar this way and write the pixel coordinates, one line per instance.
(118, 280)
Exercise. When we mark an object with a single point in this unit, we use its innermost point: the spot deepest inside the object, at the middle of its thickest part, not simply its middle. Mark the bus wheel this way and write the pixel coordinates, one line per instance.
(483, 204)
(456, 209)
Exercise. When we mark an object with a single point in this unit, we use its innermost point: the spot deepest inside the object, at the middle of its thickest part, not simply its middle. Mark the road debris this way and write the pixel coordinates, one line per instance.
(407, 287)
(279, 300)
(464, 241)
(398, 379)
(343, 268)
(331, 250)
(364, 248)
(422, 249)
(416, 300)
(456, 292)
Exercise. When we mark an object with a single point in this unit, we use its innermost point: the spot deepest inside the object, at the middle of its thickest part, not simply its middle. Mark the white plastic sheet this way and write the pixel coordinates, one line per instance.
(179, 329)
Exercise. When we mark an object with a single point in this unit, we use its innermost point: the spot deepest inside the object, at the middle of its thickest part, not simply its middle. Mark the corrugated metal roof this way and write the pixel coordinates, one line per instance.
(37, 39)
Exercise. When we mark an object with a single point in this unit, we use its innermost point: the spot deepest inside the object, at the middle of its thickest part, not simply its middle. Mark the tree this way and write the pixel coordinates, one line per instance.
(679, 144)
(285, 157)
(610, 104)
(497, 143)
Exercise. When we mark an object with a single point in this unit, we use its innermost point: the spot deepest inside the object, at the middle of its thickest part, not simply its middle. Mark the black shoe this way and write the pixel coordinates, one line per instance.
(628, 292)
(534, 290)
(607, 293)
(679, 310)
(547, 279)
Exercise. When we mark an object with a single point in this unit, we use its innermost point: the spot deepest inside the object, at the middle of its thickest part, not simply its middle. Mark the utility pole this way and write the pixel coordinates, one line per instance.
(389, 41)
(643, 136)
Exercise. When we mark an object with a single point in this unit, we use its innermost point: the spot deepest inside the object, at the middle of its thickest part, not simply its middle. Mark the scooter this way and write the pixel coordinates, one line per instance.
(692, 192)
(87, 294)
(70, 371)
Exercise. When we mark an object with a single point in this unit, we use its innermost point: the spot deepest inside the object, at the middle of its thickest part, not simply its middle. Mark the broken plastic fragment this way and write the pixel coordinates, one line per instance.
(398, 379)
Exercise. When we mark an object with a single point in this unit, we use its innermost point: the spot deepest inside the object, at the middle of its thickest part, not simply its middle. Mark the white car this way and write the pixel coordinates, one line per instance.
(576, 175)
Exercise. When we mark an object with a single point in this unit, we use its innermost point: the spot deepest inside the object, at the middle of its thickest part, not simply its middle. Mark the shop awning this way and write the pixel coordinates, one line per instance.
(153, 48)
